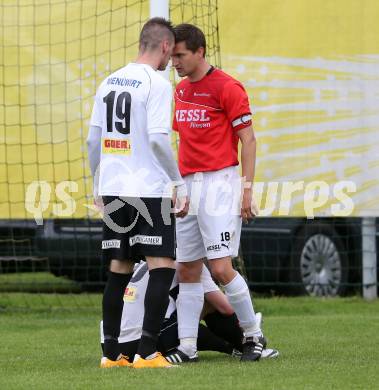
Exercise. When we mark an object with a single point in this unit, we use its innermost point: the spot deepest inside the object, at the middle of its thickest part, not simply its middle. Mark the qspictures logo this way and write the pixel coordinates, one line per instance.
(271, 198)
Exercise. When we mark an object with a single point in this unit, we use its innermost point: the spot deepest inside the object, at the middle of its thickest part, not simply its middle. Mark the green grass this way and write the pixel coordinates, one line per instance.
(36, 282)
(324, 344)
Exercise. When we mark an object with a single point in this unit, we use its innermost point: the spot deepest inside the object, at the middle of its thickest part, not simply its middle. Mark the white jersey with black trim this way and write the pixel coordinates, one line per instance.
(134, 309)
(130, 104)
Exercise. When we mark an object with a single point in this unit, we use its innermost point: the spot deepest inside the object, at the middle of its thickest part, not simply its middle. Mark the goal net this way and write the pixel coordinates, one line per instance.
(54, 54)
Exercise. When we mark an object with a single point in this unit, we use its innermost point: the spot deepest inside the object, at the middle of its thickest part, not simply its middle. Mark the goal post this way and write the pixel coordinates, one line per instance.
(159, 8)
(369, 258)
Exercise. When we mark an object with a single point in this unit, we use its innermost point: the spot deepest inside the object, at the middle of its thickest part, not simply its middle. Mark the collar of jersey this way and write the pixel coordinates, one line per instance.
(138, 63)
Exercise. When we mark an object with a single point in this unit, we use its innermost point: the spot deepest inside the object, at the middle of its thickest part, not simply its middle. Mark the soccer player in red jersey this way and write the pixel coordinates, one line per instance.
(212, 115)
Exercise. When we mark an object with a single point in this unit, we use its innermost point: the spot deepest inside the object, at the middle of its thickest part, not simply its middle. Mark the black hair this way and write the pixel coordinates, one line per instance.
(191, 35)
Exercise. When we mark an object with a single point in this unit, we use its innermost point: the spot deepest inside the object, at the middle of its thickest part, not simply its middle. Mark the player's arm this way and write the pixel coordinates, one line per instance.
(94, 148)
(158, 123)
(219, 302)
(235, 102)
(248, 157)
(94, 144)
(161, 147)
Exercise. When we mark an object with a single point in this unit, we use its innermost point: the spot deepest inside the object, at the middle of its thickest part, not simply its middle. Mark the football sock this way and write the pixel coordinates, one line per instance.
(239, 297)
(189, 305)
(208, 341)
(225, 327)
(156, 303)
(128, 349)
(112, 311)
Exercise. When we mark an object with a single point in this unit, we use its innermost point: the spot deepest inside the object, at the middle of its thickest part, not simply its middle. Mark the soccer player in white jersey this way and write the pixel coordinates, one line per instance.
(212, 115)
(222, 332)
(136, 178)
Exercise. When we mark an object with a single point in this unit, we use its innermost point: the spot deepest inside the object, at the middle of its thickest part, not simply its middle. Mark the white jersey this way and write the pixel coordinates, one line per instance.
(134, 308)
(130, 104)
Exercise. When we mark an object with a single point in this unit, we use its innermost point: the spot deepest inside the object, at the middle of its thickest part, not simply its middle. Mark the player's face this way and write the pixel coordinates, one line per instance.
(185, 61)
(167, 48)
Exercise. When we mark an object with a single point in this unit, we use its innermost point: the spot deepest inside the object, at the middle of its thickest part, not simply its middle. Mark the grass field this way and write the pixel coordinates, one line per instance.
(324, 344)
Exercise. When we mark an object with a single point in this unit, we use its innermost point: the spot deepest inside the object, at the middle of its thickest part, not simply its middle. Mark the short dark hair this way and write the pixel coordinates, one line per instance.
(191, 35)
(154, 32)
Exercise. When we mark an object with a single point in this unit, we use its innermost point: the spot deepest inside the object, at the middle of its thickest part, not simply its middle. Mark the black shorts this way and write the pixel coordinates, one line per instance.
(138, 227)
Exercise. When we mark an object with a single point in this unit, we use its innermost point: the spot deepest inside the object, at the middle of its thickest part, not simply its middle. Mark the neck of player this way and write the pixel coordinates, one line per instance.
(201, 70)
(149, 59)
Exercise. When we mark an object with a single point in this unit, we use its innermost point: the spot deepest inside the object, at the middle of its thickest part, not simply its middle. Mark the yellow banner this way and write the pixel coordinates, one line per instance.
(311, 68)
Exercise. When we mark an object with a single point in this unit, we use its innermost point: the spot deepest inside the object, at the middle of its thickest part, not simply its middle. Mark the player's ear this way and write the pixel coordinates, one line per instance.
(200, 52)
(165, 46)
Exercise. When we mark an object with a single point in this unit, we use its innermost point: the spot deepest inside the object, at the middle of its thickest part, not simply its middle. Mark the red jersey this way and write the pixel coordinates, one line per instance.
(208, 114)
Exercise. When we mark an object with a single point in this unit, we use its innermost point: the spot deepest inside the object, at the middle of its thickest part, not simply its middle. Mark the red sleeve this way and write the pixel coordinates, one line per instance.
(235, 102)
(174, 122)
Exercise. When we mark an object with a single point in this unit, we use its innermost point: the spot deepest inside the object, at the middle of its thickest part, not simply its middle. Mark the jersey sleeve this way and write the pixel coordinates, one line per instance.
(96, 116)
(174, 121)
(235, 102)
(159, 108)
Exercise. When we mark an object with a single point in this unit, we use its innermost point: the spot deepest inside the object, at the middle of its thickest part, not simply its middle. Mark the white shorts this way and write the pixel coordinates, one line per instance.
(212, 228)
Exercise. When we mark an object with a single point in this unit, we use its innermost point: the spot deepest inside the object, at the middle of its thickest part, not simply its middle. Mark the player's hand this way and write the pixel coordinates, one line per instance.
(181, 206)
(98, 202)
(249, 208)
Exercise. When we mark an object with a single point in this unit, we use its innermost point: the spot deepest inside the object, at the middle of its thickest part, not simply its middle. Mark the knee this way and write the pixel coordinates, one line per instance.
(188, 273)
(219, 274)
(121, 267)
(222, 273)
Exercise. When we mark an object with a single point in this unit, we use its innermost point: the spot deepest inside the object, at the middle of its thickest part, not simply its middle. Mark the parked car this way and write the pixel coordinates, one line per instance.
(296, 255)
(285, 255)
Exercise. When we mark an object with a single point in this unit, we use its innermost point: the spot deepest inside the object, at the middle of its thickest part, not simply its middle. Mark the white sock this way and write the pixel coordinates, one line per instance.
(238, 295)
(152, 356)
(188, 345)
(189, 305)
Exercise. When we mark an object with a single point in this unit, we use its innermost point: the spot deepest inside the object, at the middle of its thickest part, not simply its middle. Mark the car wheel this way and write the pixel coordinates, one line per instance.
(319, 264)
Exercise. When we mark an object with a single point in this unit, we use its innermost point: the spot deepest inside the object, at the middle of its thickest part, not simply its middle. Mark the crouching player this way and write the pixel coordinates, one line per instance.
(221, 333)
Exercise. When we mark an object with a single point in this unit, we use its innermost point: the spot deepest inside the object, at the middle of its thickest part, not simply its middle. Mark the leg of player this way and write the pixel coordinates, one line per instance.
(128, 349)
(222, 320)
(239, 297)
(120, 273)
(227, 328)
(161, 274)
(189, 305)
(206, 341)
